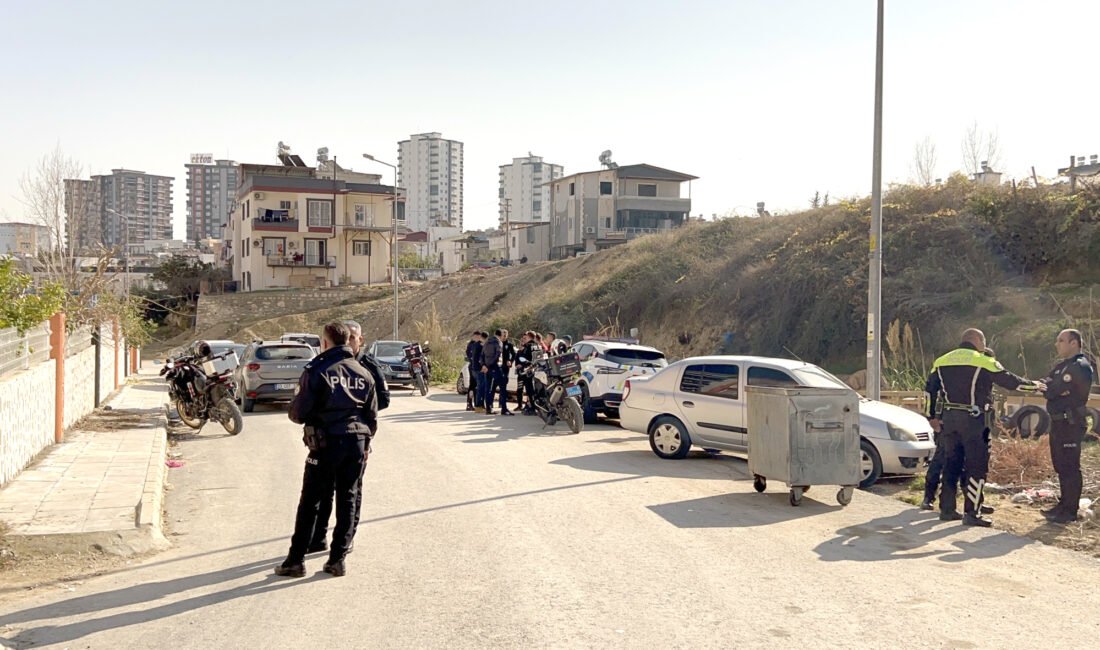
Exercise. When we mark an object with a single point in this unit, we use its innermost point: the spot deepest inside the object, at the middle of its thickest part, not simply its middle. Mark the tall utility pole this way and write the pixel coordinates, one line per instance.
(874, 285)
(393, 241)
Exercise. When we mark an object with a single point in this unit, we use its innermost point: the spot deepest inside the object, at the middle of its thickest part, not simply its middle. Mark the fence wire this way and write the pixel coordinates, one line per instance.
(78, 341)
(19, 353)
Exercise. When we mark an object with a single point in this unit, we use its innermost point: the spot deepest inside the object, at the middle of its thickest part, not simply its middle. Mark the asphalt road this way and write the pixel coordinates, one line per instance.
(485, 531)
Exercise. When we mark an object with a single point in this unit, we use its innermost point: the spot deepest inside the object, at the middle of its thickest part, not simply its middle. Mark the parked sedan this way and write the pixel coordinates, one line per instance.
(391, 357)
(269, 371)
(701, 401)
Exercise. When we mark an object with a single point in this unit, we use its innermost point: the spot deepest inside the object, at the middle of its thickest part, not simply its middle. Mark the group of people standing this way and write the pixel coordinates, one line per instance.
(491, 358)
(960, 410)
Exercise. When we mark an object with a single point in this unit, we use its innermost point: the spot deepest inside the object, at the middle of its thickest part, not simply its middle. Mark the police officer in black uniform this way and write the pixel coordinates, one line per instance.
(965, 377)
(1067, 391)
(336, 401)
(382, 392)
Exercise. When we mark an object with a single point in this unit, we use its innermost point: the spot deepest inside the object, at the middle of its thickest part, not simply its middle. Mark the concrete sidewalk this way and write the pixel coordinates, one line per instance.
(104, 484)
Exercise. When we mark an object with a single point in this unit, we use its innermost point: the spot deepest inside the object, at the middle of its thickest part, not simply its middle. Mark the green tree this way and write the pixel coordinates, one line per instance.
(21, 305)
(183, 276)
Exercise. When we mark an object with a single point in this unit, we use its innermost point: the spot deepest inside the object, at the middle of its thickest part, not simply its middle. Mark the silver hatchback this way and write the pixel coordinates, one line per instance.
(269, 371)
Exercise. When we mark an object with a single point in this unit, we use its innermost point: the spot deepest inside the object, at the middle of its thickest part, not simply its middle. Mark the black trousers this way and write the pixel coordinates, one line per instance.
(336, 466)
(1065, 452)
(523, 383)
(324, 512)
(935, 469)
(966, 453)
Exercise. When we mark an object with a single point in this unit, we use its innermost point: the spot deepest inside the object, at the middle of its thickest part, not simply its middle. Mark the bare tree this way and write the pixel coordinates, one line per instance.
(924, 162)
(980, 146)
(815, 202)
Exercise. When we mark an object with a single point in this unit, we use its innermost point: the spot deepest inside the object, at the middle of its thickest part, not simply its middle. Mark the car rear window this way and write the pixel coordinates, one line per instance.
(770, 377)
(390, 349)
(283, 353)
(630, 357)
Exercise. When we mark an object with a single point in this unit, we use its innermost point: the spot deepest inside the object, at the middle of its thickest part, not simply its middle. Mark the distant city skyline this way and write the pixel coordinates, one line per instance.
(762, 101)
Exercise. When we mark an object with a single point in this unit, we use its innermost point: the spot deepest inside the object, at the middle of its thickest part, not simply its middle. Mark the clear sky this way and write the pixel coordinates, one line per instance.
(764, 101)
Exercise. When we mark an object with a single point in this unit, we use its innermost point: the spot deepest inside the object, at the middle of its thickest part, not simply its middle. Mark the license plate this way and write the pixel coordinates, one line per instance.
(573, 391)
(285, 386)
(402, 375)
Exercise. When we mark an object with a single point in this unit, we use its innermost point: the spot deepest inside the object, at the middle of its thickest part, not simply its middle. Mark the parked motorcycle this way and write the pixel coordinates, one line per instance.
(419, 365)
(202, 389)
(556, 395)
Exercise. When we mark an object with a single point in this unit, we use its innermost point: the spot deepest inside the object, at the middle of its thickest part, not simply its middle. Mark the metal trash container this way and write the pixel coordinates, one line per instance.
(804, 437)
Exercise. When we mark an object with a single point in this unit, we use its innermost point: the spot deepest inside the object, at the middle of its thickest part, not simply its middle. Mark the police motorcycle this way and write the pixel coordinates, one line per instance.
(202, 388)
(556, 395)
(419, 365)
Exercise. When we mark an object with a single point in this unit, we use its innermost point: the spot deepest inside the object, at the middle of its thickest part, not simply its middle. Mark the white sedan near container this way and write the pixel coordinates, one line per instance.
(701, 401)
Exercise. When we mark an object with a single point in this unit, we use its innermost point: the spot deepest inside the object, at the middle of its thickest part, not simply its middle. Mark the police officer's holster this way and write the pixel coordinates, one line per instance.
(966, 450)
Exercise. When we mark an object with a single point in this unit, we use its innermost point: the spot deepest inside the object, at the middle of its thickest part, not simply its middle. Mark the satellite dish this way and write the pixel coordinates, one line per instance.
(605, 160)
(322, 154)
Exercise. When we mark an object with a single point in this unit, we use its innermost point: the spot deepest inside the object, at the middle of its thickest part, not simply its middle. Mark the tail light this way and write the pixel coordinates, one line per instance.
(253, 367)
(626, 390)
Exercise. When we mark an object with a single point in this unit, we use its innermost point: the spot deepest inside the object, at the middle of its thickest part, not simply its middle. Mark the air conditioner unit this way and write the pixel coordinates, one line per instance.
(589, 230)
(259, 196)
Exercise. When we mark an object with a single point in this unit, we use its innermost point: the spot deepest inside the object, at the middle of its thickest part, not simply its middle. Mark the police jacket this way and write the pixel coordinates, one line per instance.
(490, 352)
(475, 356)
(507, 354)
(471, 350)
(336, 394)
(1068, 386)
(381, 390)
(525, 354)
(965, 377)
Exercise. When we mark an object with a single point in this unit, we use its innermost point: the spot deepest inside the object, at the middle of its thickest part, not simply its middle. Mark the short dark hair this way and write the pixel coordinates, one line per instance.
(498, 332)
(336, 333)
(1074, 335)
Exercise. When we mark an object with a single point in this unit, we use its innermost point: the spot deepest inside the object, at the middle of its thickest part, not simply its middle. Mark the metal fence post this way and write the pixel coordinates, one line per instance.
(98, 369)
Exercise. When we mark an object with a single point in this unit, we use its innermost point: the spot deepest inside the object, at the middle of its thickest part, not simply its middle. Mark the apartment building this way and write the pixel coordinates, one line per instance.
(525, 191)
(211, 194)
(430, 170)
(599, 209)
(293, 227)
(23, 239)
(125, 207)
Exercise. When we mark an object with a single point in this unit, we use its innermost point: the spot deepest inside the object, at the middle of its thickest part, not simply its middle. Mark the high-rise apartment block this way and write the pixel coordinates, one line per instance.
(524, 190)
(211, 191)
(430, 170)
(125, 208)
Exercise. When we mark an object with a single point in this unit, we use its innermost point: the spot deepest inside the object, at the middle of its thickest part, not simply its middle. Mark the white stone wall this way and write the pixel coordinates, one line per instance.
(106, 363)
(26, 423)
(79, 386)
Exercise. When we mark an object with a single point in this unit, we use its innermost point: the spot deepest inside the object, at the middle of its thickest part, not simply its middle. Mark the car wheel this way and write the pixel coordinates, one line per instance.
(586, 406)
(247, 405)
(611, 413)
(461, 386)
(870, 464)
(668, 438)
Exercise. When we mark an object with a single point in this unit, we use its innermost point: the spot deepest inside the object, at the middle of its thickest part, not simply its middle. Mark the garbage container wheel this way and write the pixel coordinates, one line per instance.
(844, 495)
(796, 496)
(759, 483)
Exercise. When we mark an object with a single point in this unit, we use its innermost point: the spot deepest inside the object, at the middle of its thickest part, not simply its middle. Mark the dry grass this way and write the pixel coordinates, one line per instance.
(1020, 463)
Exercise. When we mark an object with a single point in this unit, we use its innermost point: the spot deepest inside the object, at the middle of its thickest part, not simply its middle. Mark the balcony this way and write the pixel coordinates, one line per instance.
(276, 220)
(298, 260)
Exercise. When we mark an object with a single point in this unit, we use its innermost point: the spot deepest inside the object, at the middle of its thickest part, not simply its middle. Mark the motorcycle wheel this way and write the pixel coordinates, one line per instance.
(422, 385)
(193, 422)
(230, 416)
(574, 416)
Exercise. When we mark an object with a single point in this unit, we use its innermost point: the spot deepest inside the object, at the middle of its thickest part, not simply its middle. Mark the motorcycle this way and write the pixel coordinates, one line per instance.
(419, 365)
(203, 389)
(556, 395)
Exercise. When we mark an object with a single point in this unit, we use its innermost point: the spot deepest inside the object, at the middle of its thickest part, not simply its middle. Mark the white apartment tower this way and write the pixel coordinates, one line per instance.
(430, 170)
(524, 190)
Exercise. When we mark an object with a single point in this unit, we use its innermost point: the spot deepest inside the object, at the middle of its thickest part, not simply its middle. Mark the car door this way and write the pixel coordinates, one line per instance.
(709, 397)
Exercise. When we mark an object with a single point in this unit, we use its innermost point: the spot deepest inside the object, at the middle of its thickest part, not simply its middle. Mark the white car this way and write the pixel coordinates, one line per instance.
(606, 364)
(701, 401)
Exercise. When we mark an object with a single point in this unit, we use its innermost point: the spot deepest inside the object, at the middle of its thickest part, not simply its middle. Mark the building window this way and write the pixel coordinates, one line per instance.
(572, 188)
(536, 206)
(360, 248)
(284, 205)
(647, 190)
(433, 190)
(607, 222)
(605, 187)
(274, 246)
(364, 214)
(320, 213)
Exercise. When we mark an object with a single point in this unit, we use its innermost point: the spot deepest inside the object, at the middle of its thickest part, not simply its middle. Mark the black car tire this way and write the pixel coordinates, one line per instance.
(586, 406)
(247, 404)
(866, 448)
(669, 425)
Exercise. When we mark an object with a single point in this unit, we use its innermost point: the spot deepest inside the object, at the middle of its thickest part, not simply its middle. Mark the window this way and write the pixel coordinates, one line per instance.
(770, 377)
(536, 206)
(530, 235)
(717, 379)
(274, 246)
(320, 213)
(584, 351)
(647, 190)
(572, 188)
(284, 205)
(605, 187)
(433, 190)
(607, 222)
(360, 248)
(364, 214)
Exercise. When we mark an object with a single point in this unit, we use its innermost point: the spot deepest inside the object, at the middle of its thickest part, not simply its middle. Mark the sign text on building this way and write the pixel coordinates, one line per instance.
(202, 159)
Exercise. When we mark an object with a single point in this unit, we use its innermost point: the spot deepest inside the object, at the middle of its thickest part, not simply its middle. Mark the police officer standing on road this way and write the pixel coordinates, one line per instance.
(965, 376)
(1067, 392)
(507, 360)
(490, 369)
(473, 367)
(336, 401)
(382, 392)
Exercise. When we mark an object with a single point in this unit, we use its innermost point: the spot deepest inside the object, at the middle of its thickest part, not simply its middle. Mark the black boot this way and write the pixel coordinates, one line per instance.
(291, 570)
(926, 505)
(335, 568)
(950, 515)
(971, 519)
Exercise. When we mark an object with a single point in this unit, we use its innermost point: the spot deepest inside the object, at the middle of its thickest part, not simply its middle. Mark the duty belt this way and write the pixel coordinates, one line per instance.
(972, 409)
(1060, 416)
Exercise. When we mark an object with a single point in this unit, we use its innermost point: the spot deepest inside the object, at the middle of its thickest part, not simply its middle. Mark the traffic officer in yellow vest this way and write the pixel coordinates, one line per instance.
(962, 416)
(1067, 392)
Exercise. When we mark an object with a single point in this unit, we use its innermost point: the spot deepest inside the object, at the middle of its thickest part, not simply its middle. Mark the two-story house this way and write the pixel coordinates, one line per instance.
(598, 209)
(295, 226)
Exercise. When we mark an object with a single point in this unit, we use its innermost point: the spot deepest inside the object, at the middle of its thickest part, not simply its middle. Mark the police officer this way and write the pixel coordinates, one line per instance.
(965, 377)
(336, 401)
(1067, 391)
(382, 392)
(507, 360)
(524, 356)
(490, 369)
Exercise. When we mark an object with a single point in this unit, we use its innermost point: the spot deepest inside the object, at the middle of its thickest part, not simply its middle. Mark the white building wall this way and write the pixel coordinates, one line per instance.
(524, 191)
(430, 169)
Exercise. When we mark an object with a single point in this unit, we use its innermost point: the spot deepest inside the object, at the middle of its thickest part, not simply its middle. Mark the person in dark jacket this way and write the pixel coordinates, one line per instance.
(382, 392)
(473, 366)
(524, 358)
(490, 369)
(336, 401)
(507, 360)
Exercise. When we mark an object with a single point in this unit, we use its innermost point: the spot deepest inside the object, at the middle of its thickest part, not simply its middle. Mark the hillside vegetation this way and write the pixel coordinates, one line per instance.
(1019, 264)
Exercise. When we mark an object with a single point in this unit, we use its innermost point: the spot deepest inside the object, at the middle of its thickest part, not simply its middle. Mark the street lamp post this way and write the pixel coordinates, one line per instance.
(393, 241)
(126, 226)
(874, 284)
